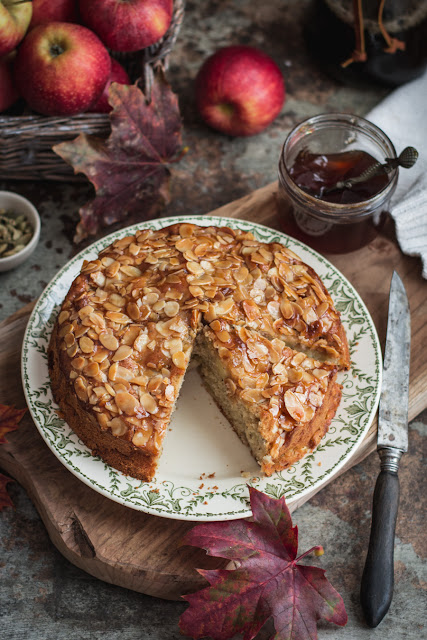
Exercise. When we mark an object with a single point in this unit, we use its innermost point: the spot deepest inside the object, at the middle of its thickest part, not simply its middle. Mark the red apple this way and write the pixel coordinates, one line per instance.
(54, 11)
(118, 74)
(15, 16)
(129, 25)
(8, 91)
(61, 68)
(239, 90)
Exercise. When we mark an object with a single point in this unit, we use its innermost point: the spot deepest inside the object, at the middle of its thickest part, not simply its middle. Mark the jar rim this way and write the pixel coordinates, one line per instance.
(340, 120)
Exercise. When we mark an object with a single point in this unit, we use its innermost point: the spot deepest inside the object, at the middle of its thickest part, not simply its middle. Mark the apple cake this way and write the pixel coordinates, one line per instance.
(259, 321)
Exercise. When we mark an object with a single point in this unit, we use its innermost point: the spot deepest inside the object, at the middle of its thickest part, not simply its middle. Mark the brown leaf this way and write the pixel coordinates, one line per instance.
(9, 419)
(269, 583)
(130, 169)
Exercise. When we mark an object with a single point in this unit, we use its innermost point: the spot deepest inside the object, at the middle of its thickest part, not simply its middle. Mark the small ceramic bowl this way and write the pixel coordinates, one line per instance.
(20, 206)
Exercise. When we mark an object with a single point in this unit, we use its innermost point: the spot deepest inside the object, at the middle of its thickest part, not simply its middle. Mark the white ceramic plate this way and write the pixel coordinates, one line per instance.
(205, 470)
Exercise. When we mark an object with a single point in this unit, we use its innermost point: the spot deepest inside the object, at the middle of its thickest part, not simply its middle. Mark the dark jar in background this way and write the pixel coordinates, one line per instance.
(331, 227)
(331, 39)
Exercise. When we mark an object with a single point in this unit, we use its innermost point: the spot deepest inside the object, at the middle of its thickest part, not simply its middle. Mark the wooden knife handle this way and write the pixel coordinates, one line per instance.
(378, 576)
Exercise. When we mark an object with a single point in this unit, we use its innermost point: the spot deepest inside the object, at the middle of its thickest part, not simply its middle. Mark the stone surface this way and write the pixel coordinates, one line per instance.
(42, 595)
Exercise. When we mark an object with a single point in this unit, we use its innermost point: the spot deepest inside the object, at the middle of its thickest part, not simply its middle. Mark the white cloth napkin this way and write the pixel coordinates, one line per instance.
(403, 117)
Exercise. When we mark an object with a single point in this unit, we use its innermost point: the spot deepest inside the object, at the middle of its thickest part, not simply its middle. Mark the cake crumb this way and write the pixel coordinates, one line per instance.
(201, 486)
(211, 475)
(205, 502)
(245, 474)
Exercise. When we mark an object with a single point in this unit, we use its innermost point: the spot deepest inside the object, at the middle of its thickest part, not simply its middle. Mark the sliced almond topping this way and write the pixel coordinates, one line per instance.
(129, 270)
(186, 230)
(149, 403)
(141, 381)
(100, 355)
(179, 359)
(117, 300)
(91, 370)
(126, 402)
(150, 298)
(140, 341)
(224, 336)
(322, 309)
(170, 393)
(159, 306)
(252, 395)
(97, 321)
(224, 307)
(71, 351)
(124, 374)
(230, 385)
(320, 373)
(69, 339)
(134, 249)
(251, 310)
(171, 308)
(67, 328)
(286, 309)
(78, 363)
(184, 244)
(81, 389)
(118, 427)
(294, 406)
(110, 389)
(309, 316)
(174, 345)
(133, 311)
(112, 371)
(195, 267)
(294, 375)
(80, 331)
(63, 316)
(298, 359)
(109, 341)
(140, 438)
(130, 335)
(85, 311)
(102, 420)
(86, 344)
(113, 269)
(273, 309)
(120, 318)
(124, 351)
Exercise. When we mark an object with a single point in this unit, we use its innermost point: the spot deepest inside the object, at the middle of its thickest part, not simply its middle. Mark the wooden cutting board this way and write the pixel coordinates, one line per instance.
(139, 551)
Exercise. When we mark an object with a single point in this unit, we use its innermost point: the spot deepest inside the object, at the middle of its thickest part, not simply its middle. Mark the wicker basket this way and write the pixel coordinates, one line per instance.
(26, 141)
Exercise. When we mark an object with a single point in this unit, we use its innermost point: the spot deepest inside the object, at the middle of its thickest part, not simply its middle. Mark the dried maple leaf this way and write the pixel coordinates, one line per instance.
(129, 170)
(268, 583)
(9, 419)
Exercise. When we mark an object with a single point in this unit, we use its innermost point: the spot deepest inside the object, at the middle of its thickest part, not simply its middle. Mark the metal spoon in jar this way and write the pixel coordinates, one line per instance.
(406, 159)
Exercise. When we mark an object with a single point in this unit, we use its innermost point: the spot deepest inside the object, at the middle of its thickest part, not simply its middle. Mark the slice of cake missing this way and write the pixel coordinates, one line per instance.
(279, 401)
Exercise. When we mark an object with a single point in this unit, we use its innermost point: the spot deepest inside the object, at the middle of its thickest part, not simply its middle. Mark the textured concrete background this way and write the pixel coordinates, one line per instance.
(42, 595)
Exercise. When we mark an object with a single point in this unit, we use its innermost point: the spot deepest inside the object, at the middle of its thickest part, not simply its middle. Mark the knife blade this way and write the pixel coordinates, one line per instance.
(378, 576)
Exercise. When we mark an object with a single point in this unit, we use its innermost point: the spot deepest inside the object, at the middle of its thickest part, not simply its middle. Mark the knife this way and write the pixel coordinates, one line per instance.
(378, 576)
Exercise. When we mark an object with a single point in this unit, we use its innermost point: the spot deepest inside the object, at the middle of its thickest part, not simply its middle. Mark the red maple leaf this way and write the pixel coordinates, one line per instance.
(9, 419)
(129, 170)
(268, 583)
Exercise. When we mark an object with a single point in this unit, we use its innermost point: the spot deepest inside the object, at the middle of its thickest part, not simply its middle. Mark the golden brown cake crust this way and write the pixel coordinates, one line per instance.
(126, 329)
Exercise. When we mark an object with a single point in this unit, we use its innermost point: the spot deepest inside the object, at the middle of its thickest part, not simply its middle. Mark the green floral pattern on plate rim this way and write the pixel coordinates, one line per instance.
(229, 498)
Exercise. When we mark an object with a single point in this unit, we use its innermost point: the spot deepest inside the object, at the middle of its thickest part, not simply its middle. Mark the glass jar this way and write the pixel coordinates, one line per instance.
(331, 227)
(330, 36)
